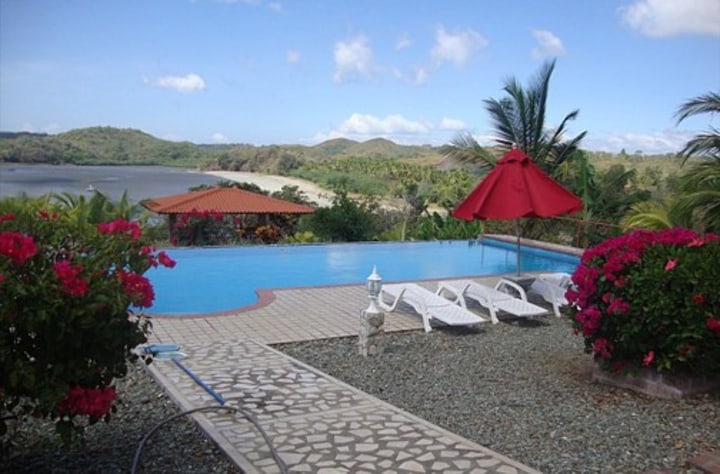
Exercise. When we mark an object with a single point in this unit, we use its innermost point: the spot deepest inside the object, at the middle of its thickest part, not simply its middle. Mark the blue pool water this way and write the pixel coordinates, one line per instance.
(209, 280)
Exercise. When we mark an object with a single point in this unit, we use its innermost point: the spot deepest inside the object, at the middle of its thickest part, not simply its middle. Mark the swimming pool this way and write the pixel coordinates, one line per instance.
(208, 280)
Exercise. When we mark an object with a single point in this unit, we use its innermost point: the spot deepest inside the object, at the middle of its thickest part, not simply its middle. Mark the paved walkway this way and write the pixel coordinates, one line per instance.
(317, 424)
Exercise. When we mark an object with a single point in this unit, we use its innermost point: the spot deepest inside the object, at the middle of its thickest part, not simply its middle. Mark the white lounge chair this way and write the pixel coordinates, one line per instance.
(428, 305)
(552, 287)
(494, 299)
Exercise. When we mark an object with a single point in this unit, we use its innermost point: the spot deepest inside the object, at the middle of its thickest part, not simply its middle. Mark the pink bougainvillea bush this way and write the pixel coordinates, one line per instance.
(650, 299)
(67, 330)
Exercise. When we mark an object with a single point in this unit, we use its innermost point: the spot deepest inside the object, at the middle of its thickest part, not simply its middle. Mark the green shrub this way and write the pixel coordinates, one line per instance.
(651, 298)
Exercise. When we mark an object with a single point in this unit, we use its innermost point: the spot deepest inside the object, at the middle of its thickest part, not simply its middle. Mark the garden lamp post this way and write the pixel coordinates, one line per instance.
(372, 319)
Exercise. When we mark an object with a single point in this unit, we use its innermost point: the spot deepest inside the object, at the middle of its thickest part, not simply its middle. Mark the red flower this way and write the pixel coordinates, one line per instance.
(672, 263)
(6, 217)
(618, 306)
(95, 402)
(68, 275)
(713, 325)
(649, 357)
(47, 216)
(120, 226)
(165, 260)
(603, 348)
(138, 288)
(17, 247)
(698, 298)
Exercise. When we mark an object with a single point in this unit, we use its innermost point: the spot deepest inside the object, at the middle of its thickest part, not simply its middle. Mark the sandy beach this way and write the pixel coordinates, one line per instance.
(274, 183)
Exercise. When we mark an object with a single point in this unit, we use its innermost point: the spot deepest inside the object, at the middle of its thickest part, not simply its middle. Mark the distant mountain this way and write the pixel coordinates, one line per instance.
(114, 146)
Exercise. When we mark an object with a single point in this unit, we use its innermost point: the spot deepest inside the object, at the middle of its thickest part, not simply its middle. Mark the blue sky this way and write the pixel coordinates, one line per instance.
(301, 72)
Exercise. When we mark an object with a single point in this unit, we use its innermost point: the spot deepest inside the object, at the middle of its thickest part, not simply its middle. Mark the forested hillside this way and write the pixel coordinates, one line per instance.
(113, 146)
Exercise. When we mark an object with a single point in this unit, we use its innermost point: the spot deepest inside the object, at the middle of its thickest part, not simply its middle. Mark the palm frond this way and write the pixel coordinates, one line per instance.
(708, 103)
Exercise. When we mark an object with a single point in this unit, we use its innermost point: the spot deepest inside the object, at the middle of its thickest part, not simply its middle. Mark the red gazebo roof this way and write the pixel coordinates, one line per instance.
(225, 201)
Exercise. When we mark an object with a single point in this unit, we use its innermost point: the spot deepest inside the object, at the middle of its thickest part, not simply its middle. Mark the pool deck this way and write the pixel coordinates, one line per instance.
(317, 424)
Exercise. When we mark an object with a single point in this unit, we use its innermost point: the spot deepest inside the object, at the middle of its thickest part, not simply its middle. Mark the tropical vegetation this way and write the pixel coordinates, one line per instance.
(72, 292)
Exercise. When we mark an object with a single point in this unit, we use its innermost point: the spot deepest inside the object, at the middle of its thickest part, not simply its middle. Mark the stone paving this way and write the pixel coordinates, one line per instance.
(317, 424)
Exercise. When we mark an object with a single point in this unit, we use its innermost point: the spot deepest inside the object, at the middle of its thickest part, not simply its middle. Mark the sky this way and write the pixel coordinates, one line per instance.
(305, 71)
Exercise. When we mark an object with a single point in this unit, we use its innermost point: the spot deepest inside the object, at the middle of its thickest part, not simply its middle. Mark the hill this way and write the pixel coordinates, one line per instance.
(113, 146)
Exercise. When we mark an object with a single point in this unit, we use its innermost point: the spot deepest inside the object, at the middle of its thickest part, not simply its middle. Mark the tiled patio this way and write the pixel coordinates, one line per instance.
(317, 423)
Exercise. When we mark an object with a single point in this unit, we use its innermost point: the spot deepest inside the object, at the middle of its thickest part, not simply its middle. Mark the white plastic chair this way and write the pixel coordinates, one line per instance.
(428, 305)
(552, 288)
(494, 299)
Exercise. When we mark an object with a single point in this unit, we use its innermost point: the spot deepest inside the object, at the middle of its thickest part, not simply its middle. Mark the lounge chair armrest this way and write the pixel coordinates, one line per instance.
(504, 284)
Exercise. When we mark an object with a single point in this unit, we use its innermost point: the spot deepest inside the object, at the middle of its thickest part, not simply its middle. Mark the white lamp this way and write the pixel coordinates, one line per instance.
(374, 285)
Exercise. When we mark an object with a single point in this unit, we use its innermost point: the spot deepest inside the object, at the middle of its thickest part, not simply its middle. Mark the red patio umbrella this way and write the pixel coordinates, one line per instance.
(516, 187)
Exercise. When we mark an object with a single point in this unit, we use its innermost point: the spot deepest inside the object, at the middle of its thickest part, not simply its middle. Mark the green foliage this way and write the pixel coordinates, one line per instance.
(346, 220)
(65, 329)
(651, 299)
(389, 178)
(437, 227)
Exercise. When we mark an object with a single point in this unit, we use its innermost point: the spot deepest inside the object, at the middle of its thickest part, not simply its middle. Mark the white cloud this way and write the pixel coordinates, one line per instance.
(549, 45)
(365, 126)
(666, 141)
(663, 18)
(276, 7)
(353, 58)
(452, 124)
(403, 42)
(189, 83)
(219, 138)
(292, 56)
(456, 48)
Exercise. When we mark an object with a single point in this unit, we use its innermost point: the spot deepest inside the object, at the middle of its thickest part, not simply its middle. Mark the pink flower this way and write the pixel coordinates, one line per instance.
(6, 217)
(649, 357)
(698, 299)
(672, 263)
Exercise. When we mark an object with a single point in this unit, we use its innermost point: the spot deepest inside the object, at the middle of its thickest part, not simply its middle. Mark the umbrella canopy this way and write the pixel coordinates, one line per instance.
(516, 187)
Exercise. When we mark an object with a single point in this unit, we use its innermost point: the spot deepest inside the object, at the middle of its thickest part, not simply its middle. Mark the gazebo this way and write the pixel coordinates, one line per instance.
(225, 201)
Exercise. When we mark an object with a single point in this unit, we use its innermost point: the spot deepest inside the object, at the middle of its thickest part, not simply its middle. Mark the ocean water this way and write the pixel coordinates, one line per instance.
(140, 182)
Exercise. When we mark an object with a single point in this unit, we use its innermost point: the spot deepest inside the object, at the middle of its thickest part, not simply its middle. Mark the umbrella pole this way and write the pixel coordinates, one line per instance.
(517, 240)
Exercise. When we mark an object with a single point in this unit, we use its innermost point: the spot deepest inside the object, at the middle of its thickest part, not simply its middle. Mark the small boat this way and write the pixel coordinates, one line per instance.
(90, 188)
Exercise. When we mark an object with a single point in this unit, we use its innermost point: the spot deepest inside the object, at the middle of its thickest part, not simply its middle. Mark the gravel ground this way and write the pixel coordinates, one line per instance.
(525, 391)
(520, 389)
(179, 447)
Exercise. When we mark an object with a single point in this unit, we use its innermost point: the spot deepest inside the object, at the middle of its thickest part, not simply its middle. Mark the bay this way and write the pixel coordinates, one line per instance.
(140, 182)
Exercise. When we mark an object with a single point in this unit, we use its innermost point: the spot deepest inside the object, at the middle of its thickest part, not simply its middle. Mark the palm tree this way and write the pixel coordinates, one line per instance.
(519, 119)
(699, 194)
(699, 191)
(696, 201)
(703, 144)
